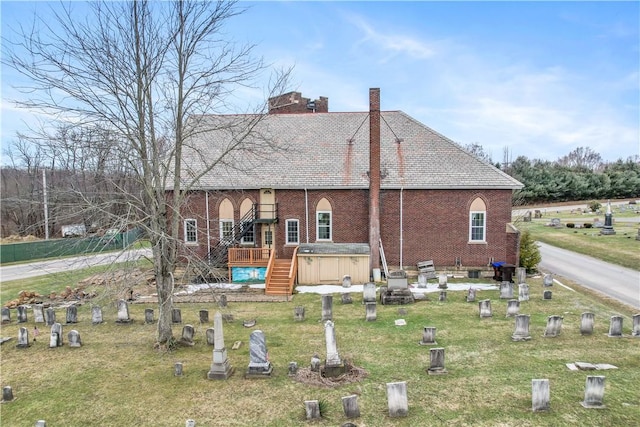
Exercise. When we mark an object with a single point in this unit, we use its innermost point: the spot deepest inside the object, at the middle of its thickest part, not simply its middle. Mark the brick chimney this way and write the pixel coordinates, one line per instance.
(374, 177)
(294, 102)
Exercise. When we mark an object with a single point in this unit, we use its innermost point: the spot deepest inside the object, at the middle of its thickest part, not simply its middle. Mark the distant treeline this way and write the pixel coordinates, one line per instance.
(546, 181)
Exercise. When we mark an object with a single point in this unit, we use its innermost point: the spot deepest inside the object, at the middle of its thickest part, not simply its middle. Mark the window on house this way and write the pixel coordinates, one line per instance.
(478, 225)
(323, 226)
(268, 238)
(248, 232)
(226, 230)
(293, 236)
(190, 231)
(478, 221)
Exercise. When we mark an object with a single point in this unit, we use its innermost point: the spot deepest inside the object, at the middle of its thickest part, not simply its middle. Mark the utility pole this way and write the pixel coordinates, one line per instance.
(46, 205)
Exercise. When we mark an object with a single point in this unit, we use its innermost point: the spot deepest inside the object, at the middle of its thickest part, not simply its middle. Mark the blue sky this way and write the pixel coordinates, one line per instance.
(541, 78)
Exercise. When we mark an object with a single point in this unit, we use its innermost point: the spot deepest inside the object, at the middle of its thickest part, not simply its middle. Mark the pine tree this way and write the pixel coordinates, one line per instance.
(529, 252)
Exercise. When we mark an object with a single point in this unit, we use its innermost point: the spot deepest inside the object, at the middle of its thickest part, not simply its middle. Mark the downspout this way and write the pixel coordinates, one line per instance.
(401, 236)
(374, 179)
(306, 212)
(206, 197)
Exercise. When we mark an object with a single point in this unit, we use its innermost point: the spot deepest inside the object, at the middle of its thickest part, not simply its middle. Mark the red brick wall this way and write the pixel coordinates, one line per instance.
(435, 223)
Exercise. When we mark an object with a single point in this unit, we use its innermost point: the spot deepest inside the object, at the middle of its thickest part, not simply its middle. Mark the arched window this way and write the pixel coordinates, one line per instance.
(225, 218)
(247, 227)
(323, 221)
(478, 221)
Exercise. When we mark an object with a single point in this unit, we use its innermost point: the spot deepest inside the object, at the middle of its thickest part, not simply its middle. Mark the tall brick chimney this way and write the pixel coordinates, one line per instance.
(374, 177)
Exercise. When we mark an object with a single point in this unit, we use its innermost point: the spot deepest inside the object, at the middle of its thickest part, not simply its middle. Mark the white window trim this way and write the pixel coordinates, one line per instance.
(186, 229)
(484, 226)
(286, 227)
(220, 228)
(318, 226)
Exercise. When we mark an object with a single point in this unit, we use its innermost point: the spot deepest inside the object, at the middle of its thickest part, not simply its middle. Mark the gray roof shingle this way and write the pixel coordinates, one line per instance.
(331, 150)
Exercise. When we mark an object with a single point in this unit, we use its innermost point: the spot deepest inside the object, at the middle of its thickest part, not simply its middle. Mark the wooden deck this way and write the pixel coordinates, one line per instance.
(249, 257)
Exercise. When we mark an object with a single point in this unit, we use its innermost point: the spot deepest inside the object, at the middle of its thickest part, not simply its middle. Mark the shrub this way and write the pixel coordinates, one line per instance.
(587, 225)
(571, 225)
(594, 205)
(529, 252)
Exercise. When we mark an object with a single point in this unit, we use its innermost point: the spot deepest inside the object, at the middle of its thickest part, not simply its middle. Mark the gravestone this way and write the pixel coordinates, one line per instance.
(187, 335)
(485, 308)
(21, 313)
(221, 369)
(521, 332)
(442, 281)
(607, 228)
(57, 328)
(594, 392)
(370, 312)
(298, 314)
(555, 222)
(176, 315)
(50, 316)
(523, 292)
(636, 325)
(148, 316)
(211, 335)
(293, 369)
(369, 293)
(23, 338)
(540, 397)
(346, 281)
(436, 366)
(346, 298)
(72, 314)
(312, 409)
(428, 336)
(327, 308)
(222, 301)
(513, 307)
(506, 290)
(554, 326)
(527, 217)
(443, 296)
(350, 406)
(315, 363)
(96, 315)
(6, 315)
(521, 275)
(54, 340)
(422, 280)
(204, 316)
(123, 313)
(259, 365)
(38, 313)
(397, 399)
(41, 423)
(190, 423)
(471, 295)
(547, 280)
(615, 327)
(74, 338)
(333, 365)
(177, 369)
(7, 394)
(586, 323)
(546, 295)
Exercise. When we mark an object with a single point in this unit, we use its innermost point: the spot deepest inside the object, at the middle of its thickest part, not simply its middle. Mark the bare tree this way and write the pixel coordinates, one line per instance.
(582, 158)
(477, 150)
(148, 73)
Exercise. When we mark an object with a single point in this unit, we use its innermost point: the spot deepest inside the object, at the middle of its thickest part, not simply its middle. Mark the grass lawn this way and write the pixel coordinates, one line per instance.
(621, 249)
(117, 378)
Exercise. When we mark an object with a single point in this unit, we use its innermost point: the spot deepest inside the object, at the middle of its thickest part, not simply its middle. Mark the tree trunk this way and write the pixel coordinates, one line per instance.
(164, 285)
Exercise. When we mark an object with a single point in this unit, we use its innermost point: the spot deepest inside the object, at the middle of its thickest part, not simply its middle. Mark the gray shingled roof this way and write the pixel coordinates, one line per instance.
(331, 150)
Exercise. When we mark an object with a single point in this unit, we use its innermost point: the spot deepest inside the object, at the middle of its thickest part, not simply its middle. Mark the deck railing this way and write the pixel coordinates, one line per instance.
(249, 256)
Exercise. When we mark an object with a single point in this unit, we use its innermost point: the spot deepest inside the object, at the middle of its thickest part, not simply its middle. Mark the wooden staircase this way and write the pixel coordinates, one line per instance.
(281, 274)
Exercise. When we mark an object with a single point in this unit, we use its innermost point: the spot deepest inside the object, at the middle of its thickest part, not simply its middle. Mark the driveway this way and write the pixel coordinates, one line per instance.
(620, 283)
(40, 268)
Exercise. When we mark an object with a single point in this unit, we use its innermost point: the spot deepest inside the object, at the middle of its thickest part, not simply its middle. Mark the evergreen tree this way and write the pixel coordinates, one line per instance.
(529, 252)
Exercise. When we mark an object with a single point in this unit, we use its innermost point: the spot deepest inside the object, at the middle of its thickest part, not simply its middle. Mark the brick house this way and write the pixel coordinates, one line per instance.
(425, 199)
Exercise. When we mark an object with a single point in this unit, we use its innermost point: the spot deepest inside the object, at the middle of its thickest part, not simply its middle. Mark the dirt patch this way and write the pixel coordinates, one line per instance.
(353, 374)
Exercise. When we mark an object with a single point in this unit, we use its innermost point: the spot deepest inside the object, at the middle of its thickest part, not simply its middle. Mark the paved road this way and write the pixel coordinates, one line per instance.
(612, 280)
(40, 268)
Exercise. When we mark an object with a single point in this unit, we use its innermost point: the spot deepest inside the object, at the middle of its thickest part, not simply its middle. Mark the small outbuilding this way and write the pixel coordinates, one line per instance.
(328, 263)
